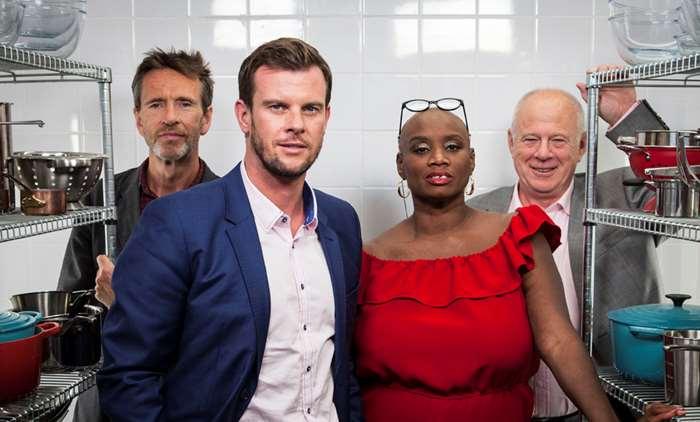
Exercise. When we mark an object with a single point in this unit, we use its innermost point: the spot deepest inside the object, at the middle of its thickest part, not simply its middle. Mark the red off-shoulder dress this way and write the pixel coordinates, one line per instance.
(449, 339)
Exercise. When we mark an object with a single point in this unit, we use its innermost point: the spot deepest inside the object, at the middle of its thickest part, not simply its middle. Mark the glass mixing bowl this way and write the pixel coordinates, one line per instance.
(646, 36)
(51, 26)
(11, 13)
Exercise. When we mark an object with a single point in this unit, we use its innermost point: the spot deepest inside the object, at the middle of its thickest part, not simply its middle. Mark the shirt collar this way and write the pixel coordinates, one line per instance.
(563, 203)
(143, 178)
(268, 213)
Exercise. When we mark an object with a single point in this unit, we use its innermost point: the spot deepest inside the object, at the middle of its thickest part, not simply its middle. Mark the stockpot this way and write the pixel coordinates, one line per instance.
(52, 302)
(20, 362)
(637, 332)
(674, 196)
(657, 148)
(79, 342)
(18, 325)
(682, 365)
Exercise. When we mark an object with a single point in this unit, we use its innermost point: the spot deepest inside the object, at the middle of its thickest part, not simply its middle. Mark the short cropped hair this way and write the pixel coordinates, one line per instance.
(283, 53)
(190, 64)
(580, 115)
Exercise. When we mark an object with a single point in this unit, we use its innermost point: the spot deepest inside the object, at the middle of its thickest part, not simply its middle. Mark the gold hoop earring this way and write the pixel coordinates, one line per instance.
(402, 190)
(471, 186)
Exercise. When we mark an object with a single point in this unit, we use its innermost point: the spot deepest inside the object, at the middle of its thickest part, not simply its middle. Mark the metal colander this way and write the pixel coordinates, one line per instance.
(75, 172)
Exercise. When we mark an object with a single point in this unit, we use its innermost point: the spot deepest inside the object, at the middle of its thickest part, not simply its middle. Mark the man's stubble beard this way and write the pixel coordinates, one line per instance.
(273, 164)
(180, 154)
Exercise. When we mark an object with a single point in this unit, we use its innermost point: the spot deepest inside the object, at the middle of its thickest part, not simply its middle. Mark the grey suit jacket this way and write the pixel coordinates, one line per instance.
(86, 242)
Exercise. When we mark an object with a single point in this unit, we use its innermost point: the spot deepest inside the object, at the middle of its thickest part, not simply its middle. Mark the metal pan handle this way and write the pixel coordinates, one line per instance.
(682, 347)
(628, 149)
(684, 168)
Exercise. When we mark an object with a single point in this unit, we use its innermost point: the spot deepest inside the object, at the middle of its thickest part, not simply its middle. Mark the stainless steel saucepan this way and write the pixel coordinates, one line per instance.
(682, 361)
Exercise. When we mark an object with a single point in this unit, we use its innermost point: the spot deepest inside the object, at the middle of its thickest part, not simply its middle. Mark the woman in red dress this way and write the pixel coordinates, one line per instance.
(456, 305)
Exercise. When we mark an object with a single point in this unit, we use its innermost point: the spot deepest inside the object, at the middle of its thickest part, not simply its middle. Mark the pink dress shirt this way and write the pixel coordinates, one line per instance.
(295, 382)
(550, 400)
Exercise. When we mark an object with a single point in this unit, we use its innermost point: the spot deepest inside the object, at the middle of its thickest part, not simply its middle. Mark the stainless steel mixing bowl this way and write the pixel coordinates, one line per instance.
(76, 172)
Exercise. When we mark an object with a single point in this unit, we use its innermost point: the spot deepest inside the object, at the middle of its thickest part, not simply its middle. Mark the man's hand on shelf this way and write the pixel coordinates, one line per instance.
(103, 281)
(657, 412)
(613, 103)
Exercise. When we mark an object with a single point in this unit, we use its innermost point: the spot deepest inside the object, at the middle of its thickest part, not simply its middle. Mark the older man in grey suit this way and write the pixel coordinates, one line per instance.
(546, 140)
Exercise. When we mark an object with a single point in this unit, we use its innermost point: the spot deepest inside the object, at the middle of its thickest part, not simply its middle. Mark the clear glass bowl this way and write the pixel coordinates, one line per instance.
(687, 45)
(689, 18)
(618, 7)
(11, 13)
(642, 37)
(51, 26)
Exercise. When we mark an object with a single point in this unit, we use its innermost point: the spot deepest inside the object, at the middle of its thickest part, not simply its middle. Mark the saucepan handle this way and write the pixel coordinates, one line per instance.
(646, 332)
(49, 328)
(682, 347)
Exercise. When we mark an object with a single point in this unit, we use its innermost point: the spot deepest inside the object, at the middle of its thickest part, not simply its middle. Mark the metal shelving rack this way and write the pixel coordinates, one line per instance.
(20, 66)
(678, 72)
(55, 389)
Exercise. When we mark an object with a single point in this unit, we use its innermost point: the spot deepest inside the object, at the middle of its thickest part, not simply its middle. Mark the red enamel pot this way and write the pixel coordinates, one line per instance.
(642, 158)
(657, 148)
(20, 362)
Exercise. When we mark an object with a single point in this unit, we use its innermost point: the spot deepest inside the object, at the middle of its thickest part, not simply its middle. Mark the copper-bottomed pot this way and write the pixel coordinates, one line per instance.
(40, 201)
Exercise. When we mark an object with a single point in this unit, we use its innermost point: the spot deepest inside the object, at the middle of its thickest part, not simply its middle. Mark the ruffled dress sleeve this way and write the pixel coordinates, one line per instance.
(525, 224)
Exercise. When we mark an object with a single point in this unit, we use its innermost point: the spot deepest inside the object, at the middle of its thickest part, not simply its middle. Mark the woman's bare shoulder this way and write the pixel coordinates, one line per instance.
(387, 243)
(489, 220)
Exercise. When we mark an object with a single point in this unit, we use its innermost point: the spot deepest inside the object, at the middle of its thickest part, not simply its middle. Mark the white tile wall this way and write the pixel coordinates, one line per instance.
(488, 52)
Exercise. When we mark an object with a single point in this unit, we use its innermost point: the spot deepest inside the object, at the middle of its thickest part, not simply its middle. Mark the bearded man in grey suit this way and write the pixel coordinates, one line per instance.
(546, 140)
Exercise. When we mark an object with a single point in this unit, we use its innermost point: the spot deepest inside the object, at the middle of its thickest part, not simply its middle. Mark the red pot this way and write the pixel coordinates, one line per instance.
(20, 362)
(643, 157)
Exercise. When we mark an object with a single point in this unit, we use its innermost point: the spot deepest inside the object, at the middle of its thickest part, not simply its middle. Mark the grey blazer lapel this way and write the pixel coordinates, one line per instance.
(497, 200)
(127, 199)
(575, 234)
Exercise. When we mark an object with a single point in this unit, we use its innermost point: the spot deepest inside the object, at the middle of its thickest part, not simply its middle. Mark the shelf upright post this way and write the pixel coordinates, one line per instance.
(110, 226)
(588, 288)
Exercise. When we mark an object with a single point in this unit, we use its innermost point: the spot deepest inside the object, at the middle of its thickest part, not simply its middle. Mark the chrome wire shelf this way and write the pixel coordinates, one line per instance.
(637, 395)
(18, 226)
(679, 228)
(55, 389)
(17, 65)
(685, 71)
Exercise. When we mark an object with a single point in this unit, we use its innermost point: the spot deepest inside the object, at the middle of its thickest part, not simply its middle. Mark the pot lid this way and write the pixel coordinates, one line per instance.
(10, 321)
(667, 316)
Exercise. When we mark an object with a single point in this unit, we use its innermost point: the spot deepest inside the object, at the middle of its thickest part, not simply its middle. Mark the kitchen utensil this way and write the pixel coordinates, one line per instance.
(674, 197)
(51, 303)
(40, 201)
(7, 188)
(689, 18)
(657, 148)
(682, 363)
(79, 342)
(636, 333)
(645, 35)
(52, 27)
(18, 325)
(11, 14)
(76, 172)
(623, 6)
(687, 45)
(20, 362)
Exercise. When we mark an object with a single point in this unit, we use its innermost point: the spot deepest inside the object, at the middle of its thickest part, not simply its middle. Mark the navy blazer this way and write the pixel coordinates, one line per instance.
(185, 337)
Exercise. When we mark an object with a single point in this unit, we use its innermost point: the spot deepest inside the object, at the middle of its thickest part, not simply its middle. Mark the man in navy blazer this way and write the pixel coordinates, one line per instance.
(235, 299)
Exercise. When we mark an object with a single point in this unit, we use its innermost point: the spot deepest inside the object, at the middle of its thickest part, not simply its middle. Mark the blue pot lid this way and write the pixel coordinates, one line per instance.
(11, 321)
(666, 316)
